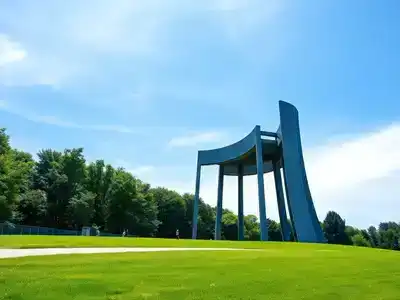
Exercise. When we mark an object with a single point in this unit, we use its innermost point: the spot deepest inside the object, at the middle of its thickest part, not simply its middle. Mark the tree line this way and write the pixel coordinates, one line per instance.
(61, 190)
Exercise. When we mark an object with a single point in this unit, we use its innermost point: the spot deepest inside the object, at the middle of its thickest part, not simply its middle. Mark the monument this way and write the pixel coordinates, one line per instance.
(262, 152)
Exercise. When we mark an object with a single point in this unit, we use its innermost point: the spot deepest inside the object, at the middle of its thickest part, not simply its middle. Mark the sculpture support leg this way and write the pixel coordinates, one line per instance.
(218, 220)
(196, 202)
(240, 204)
(285, 227)
(302, 210)
(261, 193)
(293, 225)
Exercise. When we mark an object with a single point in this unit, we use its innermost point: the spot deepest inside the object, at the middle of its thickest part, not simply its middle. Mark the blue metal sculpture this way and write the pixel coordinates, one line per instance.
(255, 155)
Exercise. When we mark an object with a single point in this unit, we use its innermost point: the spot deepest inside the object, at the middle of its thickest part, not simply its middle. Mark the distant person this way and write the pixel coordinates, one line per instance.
(124, 233)
(177, 234)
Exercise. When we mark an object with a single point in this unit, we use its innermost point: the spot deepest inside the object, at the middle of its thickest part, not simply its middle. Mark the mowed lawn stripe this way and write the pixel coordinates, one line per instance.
(42, 241)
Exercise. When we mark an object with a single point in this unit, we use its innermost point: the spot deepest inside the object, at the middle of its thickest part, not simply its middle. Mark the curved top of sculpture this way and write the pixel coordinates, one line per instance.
(243, 151)
(228, 153)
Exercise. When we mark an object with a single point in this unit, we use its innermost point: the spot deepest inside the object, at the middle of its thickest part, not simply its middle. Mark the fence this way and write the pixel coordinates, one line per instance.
(6, 229)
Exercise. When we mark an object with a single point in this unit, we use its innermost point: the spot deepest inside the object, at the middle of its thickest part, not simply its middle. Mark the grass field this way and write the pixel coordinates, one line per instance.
(42, 241)
(280, 271)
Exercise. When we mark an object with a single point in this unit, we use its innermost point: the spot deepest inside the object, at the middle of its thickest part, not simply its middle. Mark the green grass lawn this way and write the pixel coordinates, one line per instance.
(280, 271)
(42, 241)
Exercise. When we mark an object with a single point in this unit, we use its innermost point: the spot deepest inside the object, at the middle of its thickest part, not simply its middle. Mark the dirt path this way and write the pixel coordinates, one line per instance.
(10, 253)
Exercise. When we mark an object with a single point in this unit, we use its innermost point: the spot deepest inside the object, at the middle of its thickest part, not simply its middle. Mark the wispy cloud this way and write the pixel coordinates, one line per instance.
(142, 170)
(196, 139)
(71, 47)
(240, 18)
(355, 160)
(56, 121)
(10, 51)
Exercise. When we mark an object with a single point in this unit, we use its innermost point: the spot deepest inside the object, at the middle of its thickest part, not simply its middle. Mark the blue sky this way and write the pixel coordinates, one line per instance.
(146, 84)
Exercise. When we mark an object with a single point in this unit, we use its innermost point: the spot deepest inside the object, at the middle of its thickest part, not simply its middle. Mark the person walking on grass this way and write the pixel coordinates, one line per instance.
(177, 234)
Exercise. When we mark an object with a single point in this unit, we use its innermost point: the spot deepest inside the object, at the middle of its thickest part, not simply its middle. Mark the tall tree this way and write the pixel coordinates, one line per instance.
(206, 225)
(359, 240)
(389, 233)
(99, 179)
(205, 219)
(229, 225)
(33, 207)
(145, 210)
(80, 209)
(171, 211)
(15, 172)
(252, 228)
(48, 177)
(374, 236)
(334, 228)
(131, 206)
(274, 231)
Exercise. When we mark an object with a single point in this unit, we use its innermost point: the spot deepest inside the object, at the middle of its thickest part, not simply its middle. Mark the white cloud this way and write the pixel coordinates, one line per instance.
(241, 18)
(372, 156)
(65, 40)
(142, 170)
(126, 26)
(59, 122)
(196, 139)
(357, 177)
(10, 51)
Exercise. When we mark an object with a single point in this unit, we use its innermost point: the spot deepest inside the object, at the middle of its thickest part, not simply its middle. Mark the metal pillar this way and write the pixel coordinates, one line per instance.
(261, 193)
(303, 214)
(218, 219)
(240, 204)
(196, 202)
(285, 227)
(293, 227)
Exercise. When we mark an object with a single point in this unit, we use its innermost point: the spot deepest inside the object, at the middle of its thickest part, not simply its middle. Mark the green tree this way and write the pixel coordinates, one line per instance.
(80, 209)
(334, 229)
(206, 225)
(99, 179)
(131, 206)
(15, 171)
(48, 177)
(171, 211)
(205, 219)
(374, 236)
(120, 202)
(229, 228)
(366, 236)
(389, 235)
(274, 231)
(351, 232)
(359, 240)
(62, 177)
(33, 207)
(252, 228)
(145, 211)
